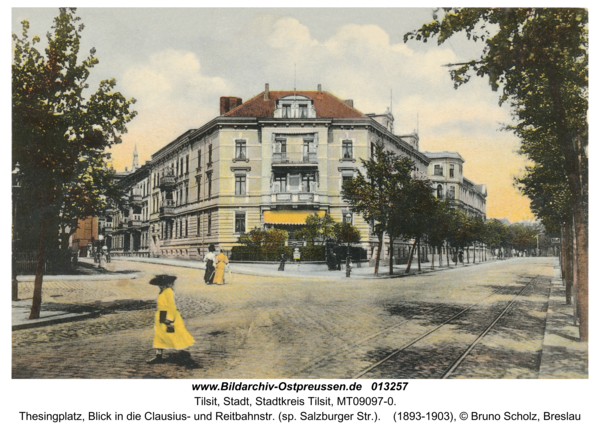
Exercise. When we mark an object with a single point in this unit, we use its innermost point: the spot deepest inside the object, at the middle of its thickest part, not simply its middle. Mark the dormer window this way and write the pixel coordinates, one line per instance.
(286, 111)
(295, 106)
(303, 111)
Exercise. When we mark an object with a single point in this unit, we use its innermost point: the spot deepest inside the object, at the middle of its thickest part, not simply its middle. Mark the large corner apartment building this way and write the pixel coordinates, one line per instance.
(268, 162)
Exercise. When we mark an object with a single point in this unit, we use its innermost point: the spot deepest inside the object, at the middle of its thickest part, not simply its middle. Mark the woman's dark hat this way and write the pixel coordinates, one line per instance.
(163, 280)
(211, 248)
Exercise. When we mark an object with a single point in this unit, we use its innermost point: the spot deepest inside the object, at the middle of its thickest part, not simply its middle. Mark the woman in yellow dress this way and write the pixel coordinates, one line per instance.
(169, 330)
(221, 261)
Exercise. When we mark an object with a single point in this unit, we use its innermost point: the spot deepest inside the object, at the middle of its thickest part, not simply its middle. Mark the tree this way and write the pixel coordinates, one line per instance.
(346, 232)
(59, 136)
(413, 207)
(317, 228)
(538, 57)
(372, 195)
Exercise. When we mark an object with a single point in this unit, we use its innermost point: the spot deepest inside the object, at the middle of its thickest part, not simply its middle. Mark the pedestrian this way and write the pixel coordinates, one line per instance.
(338, 260)
(169, 330)
(220, 262)
(460, 256)
(281, 263)
(101, 260)
(209, 260)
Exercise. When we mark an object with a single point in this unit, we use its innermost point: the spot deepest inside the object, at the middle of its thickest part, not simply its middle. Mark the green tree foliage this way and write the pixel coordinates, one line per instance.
(317, 229)
(59, 136)
(372, 195)
(538, 58)
(346, 233)
(269, 240)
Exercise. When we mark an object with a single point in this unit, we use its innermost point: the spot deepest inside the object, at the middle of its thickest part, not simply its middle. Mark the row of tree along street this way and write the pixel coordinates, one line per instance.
(538, 59)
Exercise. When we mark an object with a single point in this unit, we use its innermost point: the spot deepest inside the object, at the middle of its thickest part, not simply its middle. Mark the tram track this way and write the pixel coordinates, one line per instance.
(456, 363)
(347, 349)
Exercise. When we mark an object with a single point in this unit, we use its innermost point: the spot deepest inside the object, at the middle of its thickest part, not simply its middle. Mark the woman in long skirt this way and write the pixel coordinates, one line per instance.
(221, 261)
(209, 260)
(169, 330)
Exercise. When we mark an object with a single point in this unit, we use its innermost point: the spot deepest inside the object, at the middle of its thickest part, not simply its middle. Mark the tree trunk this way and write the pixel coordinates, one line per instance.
(448, 255)
(379, 245)
(567, 259)
(419, 253)
(410, 256)
(36, 302)
(391, 255)
(432, 256)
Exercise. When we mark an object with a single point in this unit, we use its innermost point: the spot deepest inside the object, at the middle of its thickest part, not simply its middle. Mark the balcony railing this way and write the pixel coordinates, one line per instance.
(135, 199)
(290, 157)
(167, 209)
(299, 197)
(135, 221)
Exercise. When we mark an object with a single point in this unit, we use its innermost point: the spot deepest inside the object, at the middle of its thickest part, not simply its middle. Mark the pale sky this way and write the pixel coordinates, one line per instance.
(178, 62)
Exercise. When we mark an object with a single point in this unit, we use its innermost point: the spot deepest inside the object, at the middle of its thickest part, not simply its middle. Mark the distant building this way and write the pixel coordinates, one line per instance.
(446, 174)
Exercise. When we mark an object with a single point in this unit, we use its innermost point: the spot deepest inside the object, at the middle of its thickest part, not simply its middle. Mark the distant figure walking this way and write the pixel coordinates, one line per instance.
(169, 330)
(220, 262)
(209, 260)
(282, 263)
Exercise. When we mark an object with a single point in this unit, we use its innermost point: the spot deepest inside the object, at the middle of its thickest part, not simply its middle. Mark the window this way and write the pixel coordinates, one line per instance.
(280, 145)
(294, 183)
(198, 225)
(440, 191)
(240, 150)
(209, 155)
(187, 163)
(286, 111)
(373, 152)
(347, 217)
(199, 188)
(199, 159)
(209, 183)
(209, 224)
(438, 170)
(309, 151)
(451, 171)
(346, 149)
(240, 185)
(308, 183)
(451, 192)
(280, 184)
(240, 222)
(303, 111)
(346, 178)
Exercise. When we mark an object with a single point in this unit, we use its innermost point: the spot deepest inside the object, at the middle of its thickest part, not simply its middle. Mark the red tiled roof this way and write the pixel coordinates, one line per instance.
(326, 105)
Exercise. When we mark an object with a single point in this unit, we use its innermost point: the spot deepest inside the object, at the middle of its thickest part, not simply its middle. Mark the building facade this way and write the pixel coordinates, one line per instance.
(268, 162)
(446, 174)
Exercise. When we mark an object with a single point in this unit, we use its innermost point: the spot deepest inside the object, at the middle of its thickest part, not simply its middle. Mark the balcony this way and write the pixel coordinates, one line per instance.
(295, 158)
(167, 180)
(135, 221)
(300, 197)
(167, 208)
(135, 199)
(108, 230)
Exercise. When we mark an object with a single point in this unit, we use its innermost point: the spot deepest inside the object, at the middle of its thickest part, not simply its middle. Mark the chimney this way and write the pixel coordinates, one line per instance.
(349, 102)
(319, 87)
(266, 94)
(226, 104)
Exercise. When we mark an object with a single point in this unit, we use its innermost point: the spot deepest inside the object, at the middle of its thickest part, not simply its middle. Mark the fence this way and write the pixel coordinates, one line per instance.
(26, 263)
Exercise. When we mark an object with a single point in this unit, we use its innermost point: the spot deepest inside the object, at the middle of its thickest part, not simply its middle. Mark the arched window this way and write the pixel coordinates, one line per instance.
(440, 191)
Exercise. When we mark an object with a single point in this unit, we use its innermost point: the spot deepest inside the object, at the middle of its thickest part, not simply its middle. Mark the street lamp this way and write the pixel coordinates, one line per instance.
(17, 178)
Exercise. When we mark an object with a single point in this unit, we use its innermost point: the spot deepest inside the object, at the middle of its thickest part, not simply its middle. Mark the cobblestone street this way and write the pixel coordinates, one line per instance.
(267, 327)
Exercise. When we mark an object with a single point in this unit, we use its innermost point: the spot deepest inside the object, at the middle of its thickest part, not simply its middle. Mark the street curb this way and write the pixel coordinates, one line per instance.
(37, 323)
(95, 277)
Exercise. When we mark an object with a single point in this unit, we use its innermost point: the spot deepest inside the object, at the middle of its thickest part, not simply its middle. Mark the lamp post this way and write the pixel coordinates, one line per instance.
(17, 177)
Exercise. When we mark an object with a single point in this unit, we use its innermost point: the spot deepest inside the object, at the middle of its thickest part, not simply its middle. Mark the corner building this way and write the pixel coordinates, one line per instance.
(268, 162)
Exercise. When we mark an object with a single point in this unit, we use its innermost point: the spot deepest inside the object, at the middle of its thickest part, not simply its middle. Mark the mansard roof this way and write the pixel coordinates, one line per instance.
(326, 105)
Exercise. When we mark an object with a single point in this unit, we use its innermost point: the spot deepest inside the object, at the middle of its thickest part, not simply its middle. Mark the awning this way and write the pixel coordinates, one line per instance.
(289, 216)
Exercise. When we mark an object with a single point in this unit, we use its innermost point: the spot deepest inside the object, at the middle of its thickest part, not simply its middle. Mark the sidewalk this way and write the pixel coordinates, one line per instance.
(87, 271)
(302, 270)
(563, 355)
